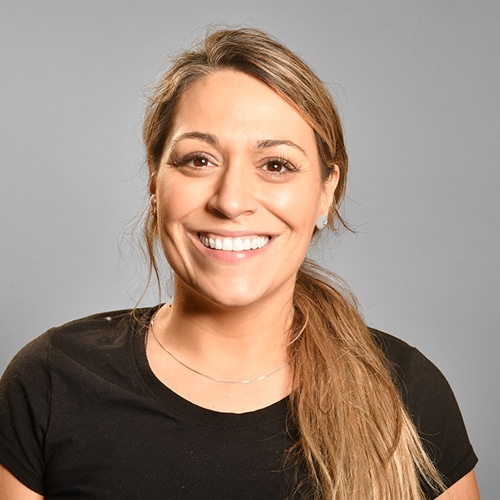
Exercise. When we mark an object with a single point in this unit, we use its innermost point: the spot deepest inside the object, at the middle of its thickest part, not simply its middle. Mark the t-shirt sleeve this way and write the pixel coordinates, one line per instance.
(434, 410)
(24, 413)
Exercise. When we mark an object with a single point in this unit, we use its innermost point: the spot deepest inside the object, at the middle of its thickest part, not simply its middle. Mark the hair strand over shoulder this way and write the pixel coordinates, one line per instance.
(356, 440)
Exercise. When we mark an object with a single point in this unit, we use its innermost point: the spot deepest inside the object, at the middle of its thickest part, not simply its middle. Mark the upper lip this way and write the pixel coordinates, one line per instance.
(222, 233)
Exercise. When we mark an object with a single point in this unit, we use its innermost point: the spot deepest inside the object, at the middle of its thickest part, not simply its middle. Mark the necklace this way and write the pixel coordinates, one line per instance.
(218, 380)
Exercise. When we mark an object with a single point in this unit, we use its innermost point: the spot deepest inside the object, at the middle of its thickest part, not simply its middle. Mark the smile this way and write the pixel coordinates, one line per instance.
(239, 244)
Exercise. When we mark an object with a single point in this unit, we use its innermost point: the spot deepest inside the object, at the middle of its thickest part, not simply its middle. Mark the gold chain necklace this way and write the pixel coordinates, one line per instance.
(218, 380)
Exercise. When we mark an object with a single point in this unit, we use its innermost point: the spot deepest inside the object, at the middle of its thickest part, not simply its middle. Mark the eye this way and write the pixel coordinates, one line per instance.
(278, 166)
(196, 161)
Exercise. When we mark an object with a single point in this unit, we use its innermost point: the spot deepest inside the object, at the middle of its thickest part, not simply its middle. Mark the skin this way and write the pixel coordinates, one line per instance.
(464, 489)
(12, 489)
(240, 162)
(237, 305)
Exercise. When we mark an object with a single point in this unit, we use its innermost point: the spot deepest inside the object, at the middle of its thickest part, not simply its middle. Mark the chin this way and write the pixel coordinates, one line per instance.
(228, 297)
(233, 300)
(235, 292)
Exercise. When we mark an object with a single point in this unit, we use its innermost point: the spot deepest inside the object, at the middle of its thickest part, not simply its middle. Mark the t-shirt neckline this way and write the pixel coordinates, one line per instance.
(185, 408)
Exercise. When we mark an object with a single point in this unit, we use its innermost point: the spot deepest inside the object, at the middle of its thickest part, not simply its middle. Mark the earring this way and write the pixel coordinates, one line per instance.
(322, 221)
(152, 201)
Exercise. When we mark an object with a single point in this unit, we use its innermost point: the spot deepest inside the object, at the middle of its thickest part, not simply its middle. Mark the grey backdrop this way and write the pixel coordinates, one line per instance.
(417, 86)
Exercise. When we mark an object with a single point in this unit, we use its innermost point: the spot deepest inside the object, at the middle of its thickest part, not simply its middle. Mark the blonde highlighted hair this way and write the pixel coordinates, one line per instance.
(356, 440)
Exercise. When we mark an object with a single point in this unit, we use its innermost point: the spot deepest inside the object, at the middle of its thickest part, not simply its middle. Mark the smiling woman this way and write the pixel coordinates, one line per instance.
(237, 161)
(260, 379)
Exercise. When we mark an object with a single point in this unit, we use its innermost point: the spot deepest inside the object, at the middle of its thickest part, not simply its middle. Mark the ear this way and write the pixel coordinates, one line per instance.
(328, 188)
(152, 178)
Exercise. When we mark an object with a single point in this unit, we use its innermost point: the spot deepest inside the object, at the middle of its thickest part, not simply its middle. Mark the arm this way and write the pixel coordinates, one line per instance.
(24, 410)
(464, 489)
(12, 489)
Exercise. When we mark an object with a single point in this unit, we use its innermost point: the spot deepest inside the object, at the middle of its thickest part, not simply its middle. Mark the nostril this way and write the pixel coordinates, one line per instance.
(232, 202)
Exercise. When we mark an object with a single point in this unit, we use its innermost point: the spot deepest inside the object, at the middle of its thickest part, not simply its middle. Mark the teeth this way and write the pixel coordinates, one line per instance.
(234, 244)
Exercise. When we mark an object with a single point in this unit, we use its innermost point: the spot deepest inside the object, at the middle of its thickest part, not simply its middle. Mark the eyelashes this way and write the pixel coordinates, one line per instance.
(274, 166)
(196, 160)
(278, 166)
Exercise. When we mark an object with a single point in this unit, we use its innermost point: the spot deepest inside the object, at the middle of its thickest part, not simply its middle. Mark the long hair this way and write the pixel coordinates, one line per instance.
(356, 439)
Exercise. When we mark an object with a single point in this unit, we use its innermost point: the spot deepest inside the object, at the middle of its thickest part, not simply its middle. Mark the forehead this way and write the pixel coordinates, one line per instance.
(233, 103)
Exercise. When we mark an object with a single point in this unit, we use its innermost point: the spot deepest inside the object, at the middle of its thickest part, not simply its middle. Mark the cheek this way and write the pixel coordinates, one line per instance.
(176, 199)
(298, 206)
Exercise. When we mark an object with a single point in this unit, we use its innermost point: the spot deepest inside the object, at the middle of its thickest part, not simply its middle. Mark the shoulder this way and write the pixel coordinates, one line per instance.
(398, 352)
(421, 383)
(431, 405)
(100, 331)
(97, 344)
(80, 338)
(423, 387)
(95, 326)
(49, 376)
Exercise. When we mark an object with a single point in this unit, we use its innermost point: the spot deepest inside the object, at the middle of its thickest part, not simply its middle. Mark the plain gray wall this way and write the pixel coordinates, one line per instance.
(417, 86)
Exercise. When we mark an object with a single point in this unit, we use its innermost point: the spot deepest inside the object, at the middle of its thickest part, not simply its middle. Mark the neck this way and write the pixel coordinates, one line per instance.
(247, 340)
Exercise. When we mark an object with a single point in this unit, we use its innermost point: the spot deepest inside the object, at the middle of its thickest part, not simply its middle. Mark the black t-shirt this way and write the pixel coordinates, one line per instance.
(83, 416)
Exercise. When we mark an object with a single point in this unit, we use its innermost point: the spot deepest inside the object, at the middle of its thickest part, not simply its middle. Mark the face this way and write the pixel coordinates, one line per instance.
(238, 192)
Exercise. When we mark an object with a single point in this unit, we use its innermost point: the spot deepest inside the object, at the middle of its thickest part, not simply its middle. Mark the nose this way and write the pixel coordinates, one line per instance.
(234, 194)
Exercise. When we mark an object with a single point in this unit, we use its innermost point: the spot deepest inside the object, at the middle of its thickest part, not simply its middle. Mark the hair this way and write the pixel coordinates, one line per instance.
(355, 438)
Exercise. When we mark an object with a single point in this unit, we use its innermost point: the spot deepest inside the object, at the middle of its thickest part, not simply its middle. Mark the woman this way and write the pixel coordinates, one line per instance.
(260, 379)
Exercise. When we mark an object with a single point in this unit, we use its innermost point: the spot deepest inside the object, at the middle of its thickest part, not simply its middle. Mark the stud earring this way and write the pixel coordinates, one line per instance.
(322, 221)
(152, 201)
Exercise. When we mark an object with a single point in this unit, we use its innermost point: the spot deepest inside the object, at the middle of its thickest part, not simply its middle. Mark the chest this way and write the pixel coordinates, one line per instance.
(108, 442)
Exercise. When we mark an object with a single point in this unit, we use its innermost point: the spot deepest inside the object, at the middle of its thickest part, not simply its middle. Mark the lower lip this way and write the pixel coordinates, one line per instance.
(228, 256)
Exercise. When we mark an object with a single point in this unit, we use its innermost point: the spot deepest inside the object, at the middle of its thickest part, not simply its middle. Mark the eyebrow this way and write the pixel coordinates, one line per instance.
(270, 143)
(209, 138)
(212, 139)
